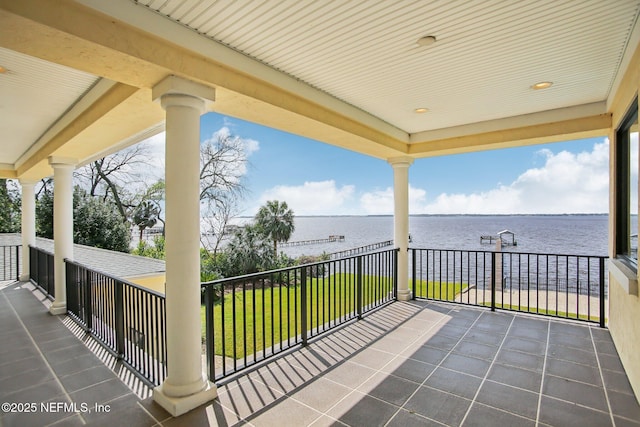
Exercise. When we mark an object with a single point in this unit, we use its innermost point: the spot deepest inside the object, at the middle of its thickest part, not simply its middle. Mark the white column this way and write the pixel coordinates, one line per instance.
(62, 227)
(401, 221)
(28, 222)
(186, 386)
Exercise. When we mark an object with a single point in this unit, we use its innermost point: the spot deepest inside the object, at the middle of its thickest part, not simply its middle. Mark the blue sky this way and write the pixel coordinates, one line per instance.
(315, 178)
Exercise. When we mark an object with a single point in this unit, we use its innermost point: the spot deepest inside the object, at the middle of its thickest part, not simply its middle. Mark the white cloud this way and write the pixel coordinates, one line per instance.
(566, 183)
(155, 146)
(249, 145)
(235, 160)
(380, 202)
(312, 198)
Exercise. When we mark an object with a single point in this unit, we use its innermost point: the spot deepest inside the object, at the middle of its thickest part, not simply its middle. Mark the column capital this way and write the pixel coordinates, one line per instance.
(28, 182)
(402, 161)
(179, 100)
(181, 89)
(57, 161)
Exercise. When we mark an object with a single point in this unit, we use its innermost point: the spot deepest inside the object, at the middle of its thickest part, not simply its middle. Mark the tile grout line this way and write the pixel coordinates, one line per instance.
(436, 367)
(604, 388)
(493, 361)
(64, 390)
(544, 370)
(376, 371)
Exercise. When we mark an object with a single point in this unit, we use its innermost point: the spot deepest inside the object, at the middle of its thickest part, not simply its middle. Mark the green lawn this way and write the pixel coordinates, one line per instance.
(437, 290)
(273, 313)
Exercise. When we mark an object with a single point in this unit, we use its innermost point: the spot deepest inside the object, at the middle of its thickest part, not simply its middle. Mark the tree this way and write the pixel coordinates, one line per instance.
(118, 179)
(155, 250)
(155, 195)
(146, 216)
(44, 213)
(217, 220)
(248, 252)
(223, 162)
(9, 207)
(275, 220)
(95, 223)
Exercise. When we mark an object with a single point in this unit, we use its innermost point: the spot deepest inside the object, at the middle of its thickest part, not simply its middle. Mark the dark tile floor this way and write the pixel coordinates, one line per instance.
(409, 364)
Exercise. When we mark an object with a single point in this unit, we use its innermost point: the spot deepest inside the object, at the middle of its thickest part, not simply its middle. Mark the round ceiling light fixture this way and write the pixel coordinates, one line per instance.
(421, 110)
(541, 85)
(2, 70)
(426, 41)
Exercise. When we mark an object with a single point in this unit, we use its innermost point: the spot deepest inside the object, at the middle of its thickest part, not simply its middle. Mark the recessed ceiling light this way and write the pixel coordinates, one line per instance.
(541, 85)
(421, 110)
(426, 41)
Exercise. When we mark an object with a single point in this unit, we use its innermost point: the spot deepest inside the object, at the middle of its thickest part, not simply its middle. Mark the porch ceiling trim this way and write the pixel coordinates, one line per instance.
(583, 127)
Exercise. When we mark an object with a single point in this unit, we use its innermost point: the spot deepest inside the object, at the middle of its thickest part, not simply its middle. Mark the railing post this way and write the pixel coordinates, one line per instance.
(493, 281)
(51, 275)
(73, 303)
(395, 274)
(359, 286)
(32, 262)
(413, 272)
(43, 264)
(17, 263)
(602, 289)
(303, 305)
(119, 318)
(88, 309)
(209, 343)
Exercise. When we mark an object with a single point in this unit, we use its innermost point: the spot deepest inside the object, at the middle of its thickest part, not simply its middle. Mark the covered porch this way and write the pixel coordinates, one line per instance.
(85, 78)
(408, 363)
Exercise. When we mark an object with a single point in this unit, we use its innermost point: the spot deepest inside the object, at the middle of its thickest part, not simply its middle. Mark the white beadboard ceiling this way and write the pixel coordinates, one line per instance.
(34, 94)
(487, 55)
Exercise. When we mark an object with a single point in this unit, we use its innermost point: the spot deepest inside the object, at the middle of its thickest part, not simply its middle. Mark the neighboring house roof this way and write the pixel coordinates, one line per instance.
(118, 264)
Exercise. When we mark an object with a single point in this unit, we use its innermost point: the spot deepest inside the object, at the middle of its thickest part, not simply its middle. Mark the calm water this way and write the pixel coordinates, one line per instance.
(561, 234)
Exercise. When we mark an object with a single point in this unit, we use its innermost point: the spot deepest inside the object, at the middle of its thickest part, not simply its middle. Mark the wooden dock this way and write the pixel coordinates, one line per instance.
(488, 239)
(330, 239)
(361, 249)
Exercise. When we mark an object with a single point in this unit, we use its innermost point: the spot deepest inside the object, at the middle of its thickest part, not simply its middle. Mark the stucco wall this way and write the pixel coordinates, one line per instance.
(624, 324)
(155, 283)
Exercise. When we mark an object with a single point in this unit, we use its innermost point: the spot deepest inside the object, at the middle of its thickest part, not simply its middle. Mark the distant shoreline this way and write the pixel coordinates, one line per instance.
(440, 215)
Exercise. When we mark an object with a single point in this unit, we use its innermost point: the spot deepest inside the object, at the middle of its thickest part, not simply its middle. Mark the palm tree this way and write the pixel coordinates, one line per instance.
(275, 220)
(248, 251)
(146, 216)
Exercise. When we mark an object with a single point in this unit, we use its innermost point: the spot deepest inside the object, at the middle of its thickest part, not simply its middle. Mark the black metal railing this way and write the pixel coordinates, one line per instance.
(41, 270)
(566, 286)
(127, 319)
(251, 318)
(10, 262)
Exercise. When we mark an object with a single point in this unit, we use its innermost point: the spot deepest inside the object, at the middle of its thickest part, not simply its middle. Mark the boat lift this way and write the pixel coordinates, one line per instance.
(507, 237)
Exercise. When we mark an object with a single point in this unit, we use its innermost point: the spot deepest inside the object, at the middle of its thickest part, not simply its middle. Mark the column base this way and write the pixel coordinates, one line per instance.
(58, 308)
(177, 406)
(405, 295)
(24, 278)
